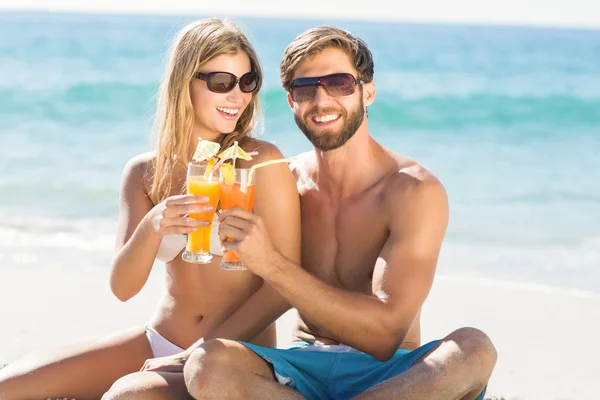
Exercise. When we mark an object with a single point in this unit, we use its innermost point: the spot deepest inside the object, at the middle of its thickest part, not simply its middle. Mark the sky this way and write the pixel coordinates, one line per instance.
(572, 13)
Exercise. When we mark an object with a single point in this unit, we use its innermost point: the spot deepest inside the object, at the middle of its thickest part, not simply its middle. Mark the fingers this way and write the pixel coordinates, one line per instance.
(238, 213)
(145, 366)
(230, 245)
(184, 209)
(163, 364)
(185, 199)
(236, 222)
(182, 215)
(181, 225)
(151, 367)
(232, 226)
(227, 231)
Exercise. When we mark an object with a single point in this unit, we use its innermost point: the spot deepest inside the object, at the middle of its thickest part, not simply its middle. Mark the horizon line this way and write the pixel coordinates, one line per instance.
(250, 15)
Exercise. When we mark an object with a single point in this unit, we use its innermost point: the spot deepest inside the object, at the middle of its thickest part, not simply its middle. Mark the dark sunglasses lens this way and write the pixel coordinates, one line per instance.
(221, 82)
(339, 84)
(304, 89)
(303, 93)
(249, 82)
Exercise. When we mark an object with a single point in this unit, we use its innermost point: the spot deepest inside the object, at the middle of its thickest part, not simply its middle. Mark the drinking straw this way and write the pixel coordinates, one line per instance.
(264, 164)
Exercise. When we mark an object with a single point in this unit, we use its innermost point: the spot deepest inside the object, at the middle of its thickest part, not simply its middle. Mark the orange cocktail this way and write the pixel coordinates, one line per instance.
(201, 182)
(236, 192)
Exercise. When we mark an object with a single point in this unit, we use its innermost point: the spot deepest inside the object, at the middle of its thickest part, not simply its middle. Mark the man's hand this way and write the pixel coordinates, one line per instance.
(172, 363)
(251, 241)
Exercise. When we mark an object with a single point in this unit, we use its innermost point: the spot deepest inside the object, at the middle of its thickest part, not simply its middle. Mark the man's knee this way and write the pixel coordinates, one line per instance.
(478, 350)
(206, 369)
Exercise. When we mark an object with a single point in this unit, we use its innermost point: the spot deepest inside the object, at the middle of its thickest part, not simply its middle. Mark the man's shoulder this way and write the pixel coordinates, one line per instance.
(415, 174)
(303, 161)
(412, 181)
(416, 197)
(303, 167)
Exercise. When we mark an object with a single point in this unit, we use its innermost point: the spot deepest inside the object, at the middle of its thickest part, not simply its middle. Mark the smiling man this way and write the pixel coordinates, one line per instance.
(373, 222)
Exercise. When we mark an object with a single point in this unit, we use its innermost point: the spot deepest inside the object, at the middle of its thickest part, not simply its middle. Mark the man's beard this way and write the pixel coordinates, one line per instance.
(327, 140)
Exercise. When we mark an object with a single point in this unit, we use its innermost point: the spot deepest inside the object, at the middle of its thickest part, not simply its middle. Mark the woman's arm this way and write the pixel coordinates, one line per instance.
(278, 203)
(142, 226)
(136, 242)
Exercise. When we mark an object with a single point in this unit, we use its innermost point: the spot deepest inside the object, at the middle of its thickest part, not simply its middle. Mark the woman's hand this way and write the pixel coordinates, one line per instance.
(174, 363)
(171, 215)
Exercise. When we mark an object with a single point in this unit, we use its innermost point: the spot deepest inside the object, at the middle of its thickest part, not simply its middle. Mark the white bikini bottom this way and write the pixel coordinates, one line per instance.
(160, 346)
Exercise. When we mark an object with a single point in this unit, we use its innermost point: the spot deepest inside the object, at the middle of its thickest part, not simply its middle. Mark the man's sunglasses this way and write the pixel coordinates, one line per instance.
(223, 82)
(336, 85)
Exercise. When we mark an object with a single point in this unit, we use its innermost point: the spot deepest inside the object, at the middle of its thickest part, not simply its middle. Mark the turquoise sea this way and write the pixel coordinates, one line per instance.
(507, 117)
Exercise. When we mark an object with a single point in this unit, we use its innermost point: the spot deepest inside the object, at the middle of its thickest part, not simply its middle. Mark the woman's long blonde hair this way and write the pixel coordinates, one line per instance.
(196, 44)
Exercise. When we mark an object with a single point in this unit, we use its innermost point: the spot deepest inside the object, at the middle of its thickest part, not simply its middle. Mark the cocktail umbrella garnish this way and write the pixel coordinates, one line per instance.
(205, 150)
(234, 152)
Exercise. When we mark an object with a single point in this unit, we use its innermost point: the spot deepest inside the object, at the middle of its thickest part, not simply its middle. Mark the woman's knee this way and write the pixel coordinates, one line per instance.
(138, 385)
(122, 388)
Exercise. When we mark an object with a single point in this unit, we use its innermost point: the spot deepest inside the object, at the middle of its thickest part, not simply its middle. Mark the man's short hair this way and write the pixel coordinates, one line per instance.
(315, 40)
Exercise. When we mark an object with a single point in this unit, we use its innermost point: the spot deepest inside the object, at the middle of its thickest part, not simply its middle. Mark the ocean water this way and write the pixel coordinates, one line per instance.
(507, 117)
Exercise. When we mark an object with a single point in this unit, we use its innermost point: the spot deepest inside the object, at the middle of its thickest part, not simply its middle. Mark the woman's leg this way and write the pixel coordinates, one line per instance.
(84, 371)
(149, 386)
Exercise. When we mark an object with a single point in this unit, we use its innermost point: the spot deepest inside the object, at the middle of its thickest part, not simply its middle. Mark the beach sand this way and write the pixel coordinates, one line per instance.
(546, 339)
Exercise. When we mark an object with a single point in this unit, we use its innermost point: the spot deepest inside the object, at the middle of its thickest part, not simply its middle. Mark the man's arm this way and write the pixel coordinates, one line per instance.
(277, 203)
(401, 281)
(262, 309)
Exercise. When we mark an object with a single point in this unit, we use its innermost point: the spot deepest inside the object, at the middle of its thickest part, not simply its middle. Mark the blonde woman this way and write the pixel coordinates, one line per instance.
(210, 91)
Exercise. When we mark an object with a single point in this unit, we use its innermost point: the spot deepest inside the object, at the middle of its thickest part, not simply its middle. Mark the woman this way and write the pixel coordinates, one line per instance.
(210, 91)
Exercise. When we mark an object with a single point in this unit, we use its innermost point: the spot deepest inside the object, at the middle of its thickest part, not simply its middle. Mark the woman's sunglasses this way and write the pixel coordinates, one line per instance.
(336, 85)
(223, 82)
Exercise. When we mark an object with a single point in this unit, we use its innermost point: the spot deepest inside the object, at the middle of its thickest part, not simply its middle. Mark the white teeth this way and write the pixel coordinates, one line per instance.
(326, 118)
(230, 111)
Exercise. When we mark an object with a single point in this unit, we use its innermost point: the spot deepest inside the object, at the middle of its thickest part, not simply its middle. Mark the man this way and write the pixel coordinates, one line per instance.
(372, 226)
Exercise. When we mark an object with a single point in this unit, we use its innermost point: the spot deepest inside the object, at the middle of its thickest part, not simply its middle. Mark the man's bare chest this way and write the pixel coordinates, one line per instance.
(340, 245)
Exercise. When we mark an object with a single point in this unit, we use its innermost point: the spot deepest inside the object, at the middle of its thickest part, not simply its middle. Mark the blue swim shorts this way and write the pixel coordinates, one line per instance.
(335, 372)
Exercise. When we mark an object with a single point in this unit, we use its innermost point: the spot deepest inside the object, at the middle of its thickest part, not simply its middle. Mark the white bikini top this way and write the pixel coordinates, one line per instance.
(172, 245)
